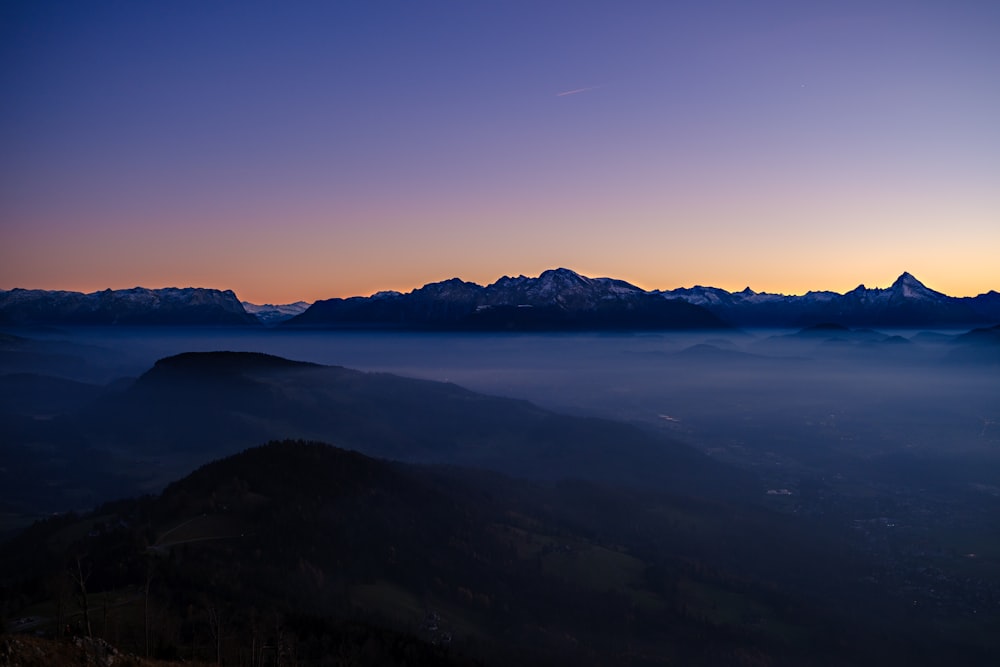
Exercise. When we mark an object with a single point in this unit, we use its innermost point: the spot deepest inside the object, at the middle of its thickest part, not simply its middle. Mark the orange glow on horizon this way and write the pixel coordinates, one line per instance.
(269, 292)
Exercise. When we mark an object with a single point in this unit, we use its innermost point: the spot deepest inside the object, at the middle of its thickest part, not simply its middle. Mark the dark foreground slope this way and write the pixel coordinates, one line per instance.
(195, 407)
(330, 557)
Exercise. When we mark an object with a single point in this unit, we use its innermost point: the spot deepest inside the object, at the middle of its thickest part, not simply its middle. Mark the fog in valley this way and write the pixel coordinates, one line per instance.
(885, 444)
(811, 394)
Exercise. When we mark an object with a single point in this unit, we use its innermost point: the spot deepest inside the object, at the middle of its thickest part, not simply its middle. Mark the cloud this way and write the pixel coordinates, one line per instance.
(576, 91)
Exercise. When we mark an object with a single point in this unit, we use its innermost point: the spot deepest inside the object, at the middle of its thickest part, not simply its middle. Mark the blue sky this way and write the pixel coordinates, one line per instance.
(306, 150)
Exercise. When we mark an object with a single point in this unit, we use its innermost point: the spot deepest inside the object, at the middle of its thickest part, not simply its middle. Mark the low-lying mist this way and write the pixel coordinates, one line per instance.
(821, 403)
(881, 450)
(862, 392)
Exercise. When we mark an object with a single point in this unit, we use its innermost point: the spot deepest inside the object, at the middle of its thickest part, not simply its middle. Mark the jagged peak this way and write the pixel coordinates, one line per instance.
(909, 287)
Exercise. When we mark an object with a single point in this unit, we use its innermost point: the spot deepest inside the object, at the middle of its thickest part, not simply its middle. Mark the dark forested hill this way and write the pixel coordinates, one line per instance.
(195, 407)
(324, 556)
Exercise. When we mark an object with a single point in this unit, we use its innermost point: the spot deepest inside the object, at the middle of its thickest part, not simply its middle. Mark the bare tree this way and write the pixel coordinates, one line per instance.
(80, 575)
(215, 627)
(145, 601)
(60, 587)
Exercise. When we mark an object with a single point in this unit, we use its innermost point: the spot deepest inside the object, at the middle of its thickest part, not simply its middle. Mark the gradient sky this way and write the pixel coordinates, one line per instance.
(309, 150)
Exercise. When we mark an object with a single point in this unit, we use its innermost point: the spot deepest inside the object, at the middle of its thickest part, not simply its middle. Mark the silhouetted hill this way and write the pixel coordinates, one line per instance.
(53, 357)
(709, 352)
(224, 364)
(194, 407)
(317, 551)
(834, 341)
(980, 346)
(41, 395)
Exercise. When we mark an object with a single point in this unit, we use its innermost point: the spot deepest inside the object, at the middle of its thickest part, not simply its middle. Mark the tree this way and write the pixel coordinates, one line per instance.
(59, 587)
(145, 600)
(215, 628)
(80, 575)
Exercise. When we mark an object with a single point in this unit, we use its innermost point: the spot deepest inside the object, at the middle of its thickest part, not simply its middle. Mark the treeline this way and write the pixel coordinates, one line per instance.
(300, 553)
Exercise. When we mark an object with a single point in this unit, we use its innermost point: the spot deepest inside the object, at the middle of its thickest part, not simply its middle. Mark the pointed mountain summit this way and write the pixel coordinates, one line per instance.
(908, 287)
(905, 303)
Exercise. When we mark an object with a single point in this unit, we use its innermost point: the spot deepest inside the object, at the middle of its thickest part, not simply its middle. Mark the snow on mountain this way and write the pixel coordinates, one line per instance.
(561, 287)
(911, 288)
(564, 298)
(907, 302)
(139, 305)
(558, 299)
(561, 298)
(272, 314)
(906, 287)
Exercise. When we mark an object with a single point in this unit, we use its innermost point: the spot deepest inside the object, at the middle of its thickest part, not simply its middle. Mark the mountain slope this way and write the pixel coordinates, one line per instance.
(293, 544)
(907, 302)
(137, 306)
(273, 314)
(557, 300)
(235, 399)
(194, 407)
(561, 299)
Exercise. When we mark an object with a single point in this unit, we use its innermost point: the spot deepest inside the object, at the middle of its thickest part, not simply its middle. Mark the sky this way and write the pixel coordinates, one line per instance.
(308, 150)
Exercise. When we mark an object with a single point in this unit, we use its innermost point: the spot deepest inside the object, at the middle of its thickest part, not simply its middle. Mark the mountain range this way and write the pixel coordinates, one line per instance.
(557, 300)
(907, 302)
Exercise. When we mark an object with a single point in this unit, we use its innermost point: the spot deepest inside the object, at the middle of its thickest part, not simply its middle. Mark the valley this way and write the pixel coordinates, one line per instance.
(820, 475)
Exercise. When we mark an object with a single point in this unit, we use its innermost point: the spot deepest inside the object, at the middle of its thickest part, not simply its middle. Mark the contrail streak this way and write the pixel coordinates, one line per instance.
(576, 91)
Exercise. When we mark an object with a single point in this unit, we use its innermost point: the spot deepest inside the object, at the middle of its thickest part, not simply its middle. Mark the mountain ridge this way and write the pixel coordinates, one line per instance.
(135, 306)
(295, 540)
(564, 299)
(556, 300)
(192, 407)
(907, 302)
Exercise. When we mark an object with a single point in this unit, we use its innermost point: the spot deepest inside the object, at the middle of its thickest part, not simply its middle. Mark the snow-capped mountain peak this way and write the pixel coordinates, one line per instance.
(910, 288)
(269, 313)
